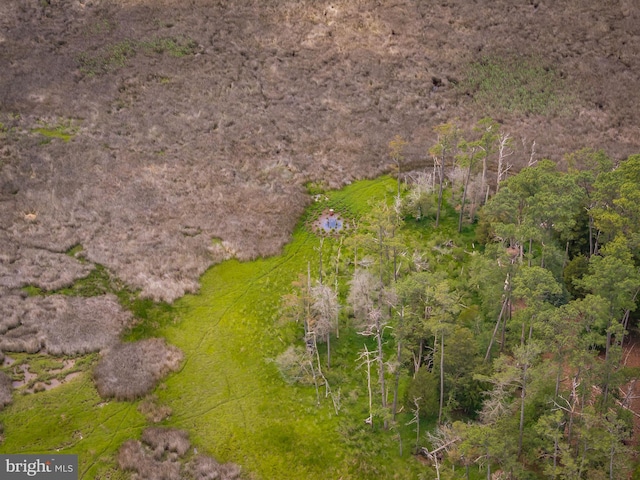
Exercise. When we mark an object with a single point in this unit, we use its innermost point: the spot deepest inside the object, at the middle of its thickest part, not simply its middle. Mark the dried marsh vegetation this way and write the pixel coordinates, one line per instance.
(131, 370)
(41, 268)
(153, 410)
(162, 454)
(182, 123)
(60, 325)
(5, 391)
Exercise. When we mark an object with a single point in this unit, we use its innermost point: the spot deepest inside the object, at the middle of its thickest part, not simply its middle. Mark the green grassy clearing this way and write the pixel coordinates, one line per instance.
(228, 394)
(71, 419)
(232, 398)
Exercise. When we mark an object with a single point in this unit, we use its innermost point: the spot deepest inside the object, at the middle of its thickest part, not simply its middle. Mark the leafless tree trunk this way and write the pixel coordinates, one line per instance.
(417, 361)
(575, 383)
(365, 357)
(483, 181)
(532, 161)
(523, 395)
(325, 309)
(503, 152)
(315, 381)
(336, 284)
(505, 303)
(416, 420)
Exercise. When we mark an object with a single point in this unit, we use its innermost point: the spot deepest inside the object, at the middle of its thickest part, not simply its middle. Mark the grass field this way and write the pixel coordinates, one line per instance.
(228, 394)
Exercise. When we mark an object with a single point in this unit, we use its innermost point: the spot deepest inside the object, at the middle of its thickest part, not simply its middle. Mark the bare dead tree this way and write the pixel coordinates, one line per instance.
(415, 420)
(363, 289)
(506, 301)
(504, 151)
(532, 161)
(365, 359)
(324, 311)
(335, 287)
(375, 329)
(319, 249)
(443, 439)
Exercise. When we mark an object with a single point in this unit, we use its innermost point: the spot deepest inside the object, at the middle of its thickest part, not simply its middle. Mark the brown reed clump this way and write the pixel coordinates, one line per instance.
(131, 370)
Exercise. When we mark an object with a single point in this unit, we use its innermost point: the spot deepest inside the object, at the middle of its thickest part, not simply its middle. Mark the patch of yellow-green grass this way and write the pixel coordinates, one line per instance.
(64, 131)
(231, 398)
(114, 56)
(229, 394)
(30, 370)
(50, 133)
(71, 418)
(353, 201)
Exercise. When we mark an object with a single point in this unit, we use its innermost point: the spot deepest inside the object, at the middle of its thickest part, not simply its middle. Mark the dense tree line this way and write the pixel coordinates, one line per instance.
(496, 304)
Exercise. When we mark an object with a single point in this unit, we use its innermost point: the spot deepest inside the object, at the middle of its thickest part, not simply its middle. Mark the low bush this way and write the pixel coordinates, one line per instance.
(161, 454)
(131, 370)
(153, 410)
(9, 312)
(206, 468)
(294, 365)
(166, 440)
(133, 456)
(5, 390)
(83, 325)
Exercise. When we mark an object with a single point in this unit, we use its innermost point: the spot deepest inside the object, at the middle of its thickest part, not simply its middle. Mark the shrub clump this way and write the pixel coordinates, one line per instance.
(5, 390)
(131, 370)
(153, 410)
(294, 365)
(161, 456)
(164, 441)
(206, 468)
(133, 456)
